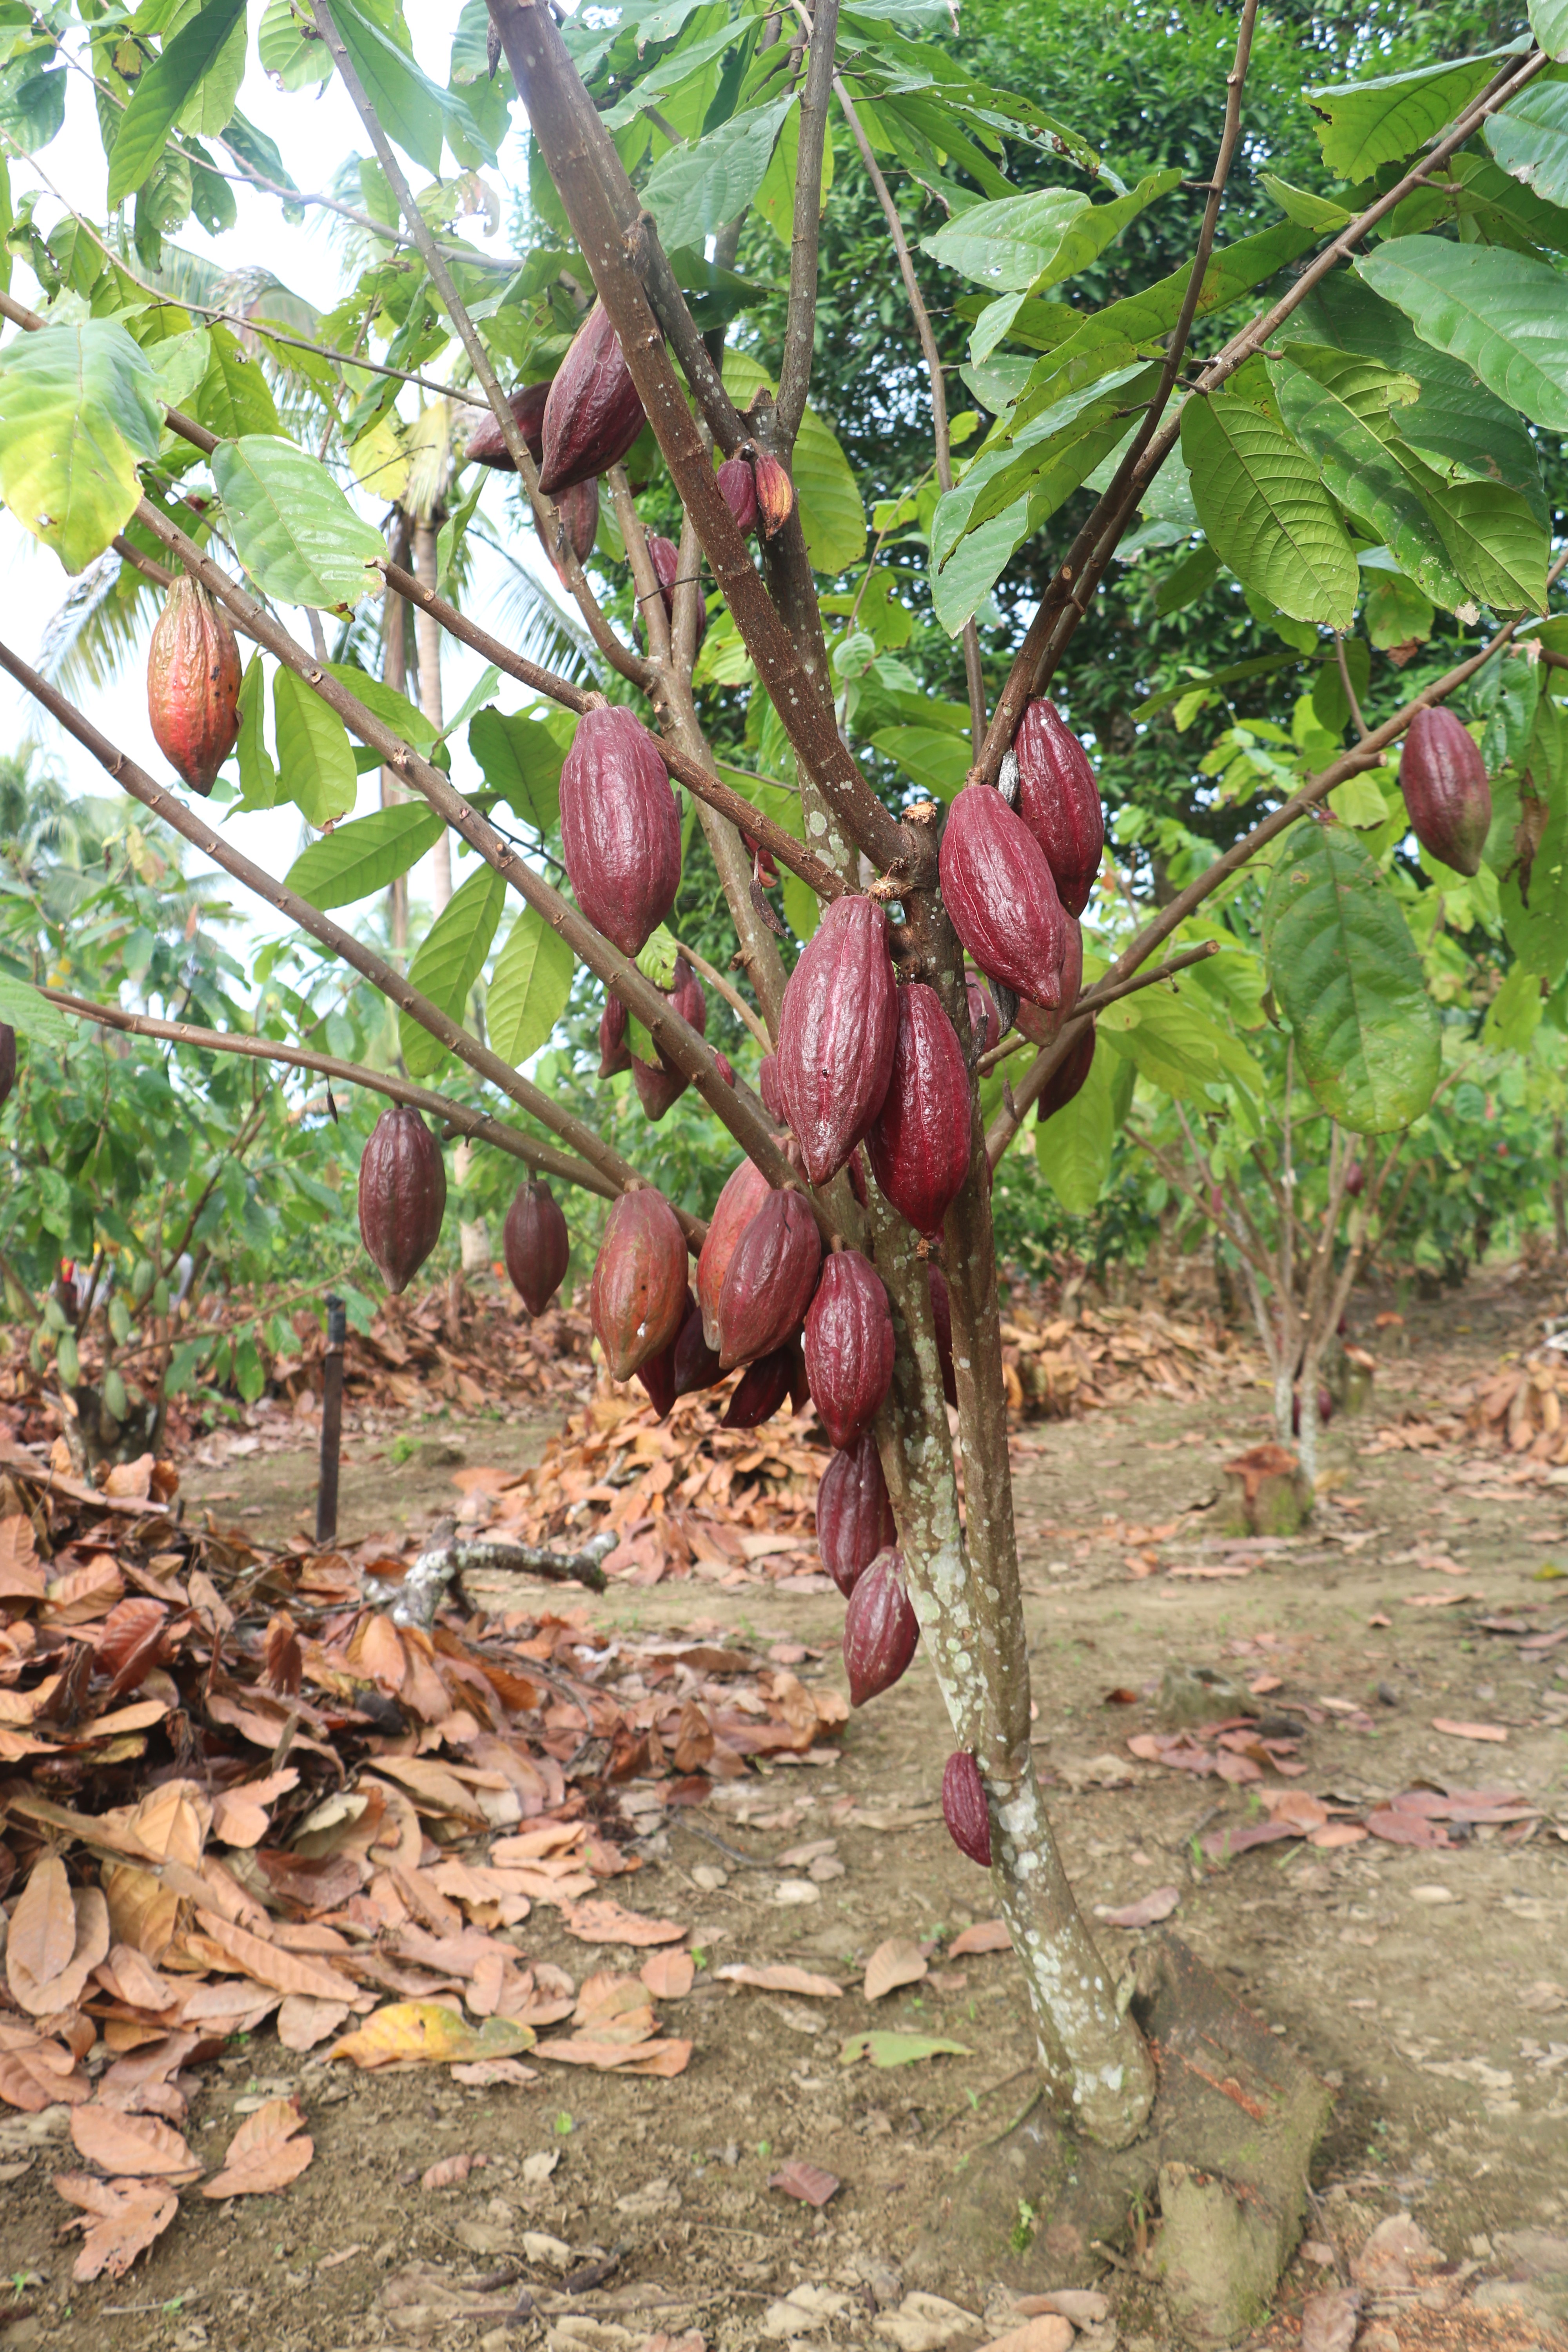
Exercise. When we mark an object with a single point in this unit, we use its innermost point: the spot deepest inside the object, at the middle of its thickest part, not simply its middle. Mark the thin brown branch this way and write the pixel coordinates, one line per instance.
(727, 989)
(800, 325)
(1361, 726)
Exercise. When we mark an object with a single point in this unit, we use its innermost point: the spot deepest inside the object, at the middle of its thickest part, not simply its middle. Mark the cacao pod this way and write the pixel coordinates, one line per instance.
(536, 1246)
(1043, 1028)
(775, 493)
(998, 889)
(942, 1315)
(768, 1088)
(838, 1028)
(7, 1060)
(615, 1055)
(881, 1631)
(577, 512)
(193, 684)
(697, 1365)
(620, 829)
(1060, 1088)
(658, 1375)
(848, 1342)
(771, 1276)
(854, 1515)
(659, 1084)
(725, 1067)
(1325, 1411)
(1446, 797)
(402, 1195)
(593, 415)
(666, 572)
(738, 487)
(985, 1021)
(637, 1296)
(963, 1808)
(763, 1386)
(746, 1189)
(919, 1143)
(486, 445)
(1058, 800)
(1355, 1174)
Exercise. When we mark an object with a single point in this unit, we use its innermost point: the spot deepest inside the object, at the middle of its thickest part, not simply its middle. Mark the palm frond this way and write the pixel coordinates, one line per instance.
(108, 612)
(540, 630)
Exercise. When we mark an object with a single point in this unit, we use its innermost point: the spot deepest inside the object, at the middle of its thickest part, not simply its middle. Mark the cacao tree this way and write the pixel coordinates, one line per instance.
(1360, 385)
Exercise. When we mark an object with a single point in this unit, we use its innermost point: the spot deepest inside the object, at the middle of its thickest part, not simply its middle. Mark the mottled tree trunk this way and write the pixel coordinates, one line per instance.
(428, 633)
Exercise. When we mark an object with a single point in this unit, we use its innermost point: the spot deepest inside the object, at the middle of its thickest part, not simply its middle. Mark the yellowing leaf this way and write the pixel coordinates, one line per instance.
(423, 2033)
(896, 2048)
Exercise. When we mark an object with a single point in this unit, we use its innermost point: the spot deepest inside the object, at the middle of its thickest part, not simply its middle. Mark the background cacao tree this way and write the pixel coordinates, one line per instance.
(1339, 412)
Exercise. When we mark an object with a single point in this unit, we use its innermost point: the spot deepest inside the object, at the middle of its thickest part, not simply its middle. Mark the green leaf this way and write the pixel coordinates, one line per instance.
(32, 1015)
(1397, 612)
(384, 702)
(520, 756)
(257, 776)
(79, 407)
(1265, 511)
(32, 102)
(1192, 578)
(1514, 1013)
(931, 756)
(692, 191)
(447, 961)
(412, 110)
(1387, 117)
(354, 860)
(1048, 461)
(1529, 138)
(898, 2049)
(528, 989)
(1073, 1146)
(1549, 23)
(1024, 244)
(297, 61)
(297, 534)
(1494, 542)
(161, 93)
(1317, 212)
(1500, 314)
(1535, 916)
(1346, 976)
(234, 398)
(315, 760)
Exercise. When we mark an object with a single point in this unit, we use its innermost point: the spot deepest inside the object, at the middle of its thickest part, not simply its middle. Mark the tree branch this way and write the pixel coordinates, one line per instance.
(800, 326)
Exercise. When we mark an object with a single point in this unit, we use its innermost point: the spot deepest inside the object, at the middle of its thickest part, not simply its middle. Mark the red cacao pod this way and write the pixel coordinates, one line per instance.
(771, 1276)
(1060, 1088)
(660, 1376)
(193, 684)
(620, 829)
(1355, 1175)
(1058, 800)
(942, 1315)
(775, 493)
(725, 1067)
(963, 1808)
(577, 512)
(487, 445)
(919, 1143)
(763, 1386)
(637, 1296)
(881, 1631)
(849, 1341)
(1325, 1411)
(985, 1021)
(536, 1246)
(768, 1088)
(1043, 1028)
(666, 558)
(1446, 797)
(402, 1195)
(697, 1365)
(854, 1515)
(838, 1028)
(738, 487)
(659, 1084)
(746, 1189)
(615, 1055)
(997, 887)
(7, 1060)
(593, 415)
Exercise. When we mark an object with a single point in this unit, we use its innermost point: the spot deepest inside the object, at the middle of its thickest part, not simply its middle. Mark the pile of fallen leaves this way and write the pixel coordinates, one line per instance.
(1056, 1365)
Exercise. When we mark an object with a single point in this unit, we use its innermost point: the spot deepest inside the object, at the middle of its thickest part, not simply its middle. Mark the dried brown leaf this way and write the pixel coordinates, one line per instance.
(608, 1923)
(120, 2143)
(669, 1975)
(303, 2021)
(268, 2150)
(44, 1921)
(809, 2182)
(126, 2216)
(778, 1977)
(893, 1963)
(986, 1936)
(1149, 1909)
(1330, 2320)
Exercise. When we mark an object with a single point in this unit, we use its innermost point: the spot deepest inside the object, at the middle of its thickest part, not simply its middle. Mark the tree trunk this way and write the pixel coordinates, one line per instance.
(427, 634)
(395, 671)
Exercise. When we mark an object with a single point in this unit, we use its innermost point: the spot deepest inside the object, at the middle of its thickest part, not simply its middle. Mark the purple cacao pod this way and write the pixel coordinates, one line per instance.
(985, 1021)
(1043, 1028)
(920, 1141)
(577, 510)
(738, 487)
(486, 445)
(762, 1387)
(659, 1084)
(854, 1515)
(7, 1060)
(771, 1276)
(666, 558)
(1058, 800)
(942, 1315)
(746, 1189)
(660, 1376)
(1355, 1176)
(1325, 1411)
(997, 887)
(637, 1296)
(768, 1088)
(838, 1028)
(593, 415)
(963, 1808)
(725, 1068)
(536, 1246)
(848, 1342)
(615, 1055)
(620, 829)
(1446, 797)
(697, 1365)
(1060, 1088)
(402, 1195)
(881, 1631)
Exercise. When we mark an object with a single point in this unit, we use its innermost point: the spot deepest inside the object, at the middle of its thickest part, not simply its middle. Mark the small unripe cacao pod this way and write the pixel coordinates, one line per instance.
(768, 1088)
(1058, 800)
(738, 487)
(997, 887)
(7, 1060)
(487, 444)
(985, 1021)
(593, 415)
(725, 1067)
(659, 1084)
(942, 1315)
(1066, 1082)
(775, 493)
(1355, 1177)
(963, 1808)
(615, 1054)
(402, 1195)
(838, 1028)
(919, 1143)
(763, 1386)
(697, 1365)
(658, 1375)
(577, 513)
(849, 1341)
(881, 1631)
(1042, 1027)
(536, 1246)
(620, 829)
(853, 1515)
(746, 1189)
(637, 1296)
(193, 684)
(771, 1276)
(1325, 1411)
(666, 558)
(1446, 797)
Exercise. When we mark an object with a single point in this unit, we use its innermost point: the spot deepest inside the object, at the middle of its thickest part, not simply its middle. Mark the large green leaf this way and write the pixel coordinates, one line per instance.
(297, 534)
(32, 101)
(1501, 314)
(1384, 120)
(412, 110)
(1172, 1042)
(1494, 542)
(162, 91)
(354, 860)
(931, 756)
(384, 702)
(233, 397)
(519, 757)
(315, 759)
(528, 989)
(1048, 460)
(1535, 916)
(1265, 511)
(257, 776)
(1073, 1146)
(79, 407)
(1024, 244)
(832, 514)
(32, 1015)
(1549, 23)
(447, 961)
(692, 191)
(1345, 974)
(1530, 138)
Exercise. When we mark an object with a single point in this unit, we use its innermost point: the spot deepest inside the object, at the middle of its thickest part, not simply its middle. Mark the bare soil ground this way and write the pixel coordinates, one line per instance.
(1430, 1987)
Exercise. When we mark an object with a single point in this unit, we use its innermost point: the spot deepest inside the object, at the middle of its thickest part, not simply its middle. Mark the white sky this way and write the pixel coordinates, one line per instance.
(315, 134)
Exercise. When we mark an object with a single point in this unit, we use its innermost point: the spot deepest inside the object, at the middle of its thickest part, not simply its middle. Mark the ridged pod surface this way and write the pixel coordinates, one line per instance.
(881, 1631)
(942, 1315)
(738, 487)
(697, 1365)
(997, 887)
(593, 415)
(1447, 796)
(1058, 800)
(536, 1246)
(770, 1279)
(637, 1296)
(578, 509)
(848, 1342)
(402, 1195)
(853, 1515)
(620, 829)
(1043, 1028)
(775, 493)
(1060, 1088)
(919, 1143)
(985, 1021)
(659, 1084)
(486, 445)
(762, 1387)
(963, 1808)
(193, 684)
(768, 1088)
(615, 1055)
(838, 1028)
(746, 1189)
(7, 1060)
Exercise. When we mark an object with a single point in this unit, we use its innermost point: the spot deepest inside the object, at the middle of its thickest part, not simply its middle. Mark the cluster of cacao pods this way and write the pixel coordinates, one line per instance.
(756, 488)
(1447, 796)
(402, 1195)
(576, 503)
(620, 829)
(193, 684)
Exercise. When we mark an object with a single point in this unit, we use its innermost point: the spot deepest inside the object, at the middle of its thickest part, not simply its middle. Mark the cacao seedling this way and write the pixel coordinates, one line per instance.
(536, 1246)
(838, 1028)
(997, 887)
(697, 1365)
(775, 493)
(487, 445)
(746, 1189)
(658, 1375)
(193, 684)
(854, 1515)
(593, 415)
(1067, 1080)
(763, 1386)
(881, 1631)
(402, 1195)
(942, 1315)
(770, 1275)
(919, 1143)
(637, 1296)
(615, 1055)
(1058, 800)
(620, 829)
(963, 1808)
(659, 1084)
(1446, 797)
(7, 1060)
(738, 486)
(848, 1342)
